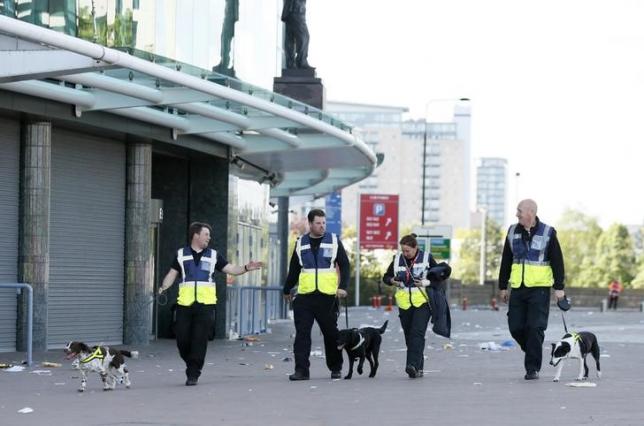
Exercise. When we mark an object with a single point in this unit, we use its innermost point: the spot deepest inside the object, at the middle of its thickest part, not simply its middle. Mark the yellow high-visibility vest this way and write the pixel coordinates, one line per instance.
(318, 270)
(197, 283)
(529, 264)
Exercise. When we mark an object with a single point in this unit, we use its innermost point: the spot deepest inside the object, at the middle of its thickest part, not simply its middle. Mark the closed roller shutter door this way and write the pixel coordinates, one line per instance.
(86, 276)
(9, 187)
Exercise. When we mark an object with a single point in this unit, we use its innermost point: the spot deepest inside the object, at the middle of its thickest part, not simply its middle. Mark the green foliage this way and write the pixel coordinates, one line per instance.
(614, 258)
(578, 234)
(638, 281)
(467, 267)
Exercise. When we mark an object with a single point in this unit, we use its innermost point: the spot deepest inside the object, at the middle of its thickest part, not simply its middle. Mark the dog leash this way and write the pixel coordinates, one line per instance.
(337, 302)
(346, 311)
(161, 299)
(564, 322)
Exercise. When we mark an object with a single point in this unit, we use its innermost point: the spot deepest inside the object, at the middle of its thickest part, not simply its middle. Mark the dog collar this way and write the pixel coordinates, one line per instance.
(97, 354)
(575, 336)
(359, 343)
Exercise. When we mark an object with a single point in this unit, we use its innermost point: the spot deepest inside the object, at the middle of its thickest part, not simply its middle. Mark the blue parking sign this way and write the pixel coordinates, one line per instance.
(379, 209)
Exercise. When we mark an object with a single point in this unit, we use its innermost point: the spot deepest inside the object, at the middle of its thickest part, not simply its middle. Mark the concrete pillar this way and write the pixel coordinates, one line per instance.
(208, 202)
(35, 188)
(282, 233)
(138, 250)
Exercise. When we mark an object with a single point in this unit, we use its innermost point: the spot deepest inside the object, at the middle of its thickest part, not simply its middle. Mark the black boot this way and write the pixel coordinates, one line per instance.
(411, 371)
(299, 375)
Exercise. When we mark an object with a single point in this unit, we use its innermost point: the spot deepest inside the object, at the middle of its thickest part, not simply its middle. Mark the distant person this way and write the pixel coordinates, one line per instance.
(614, 290)
(195, 264)
(532, 262)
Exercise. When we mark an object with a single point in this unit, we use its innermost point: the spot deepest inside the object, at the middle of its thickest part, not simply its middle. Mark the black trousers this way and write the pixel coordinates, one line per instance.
(528, 320)
(414, 323)
(192, 330)
(612, 302)
(323, 309)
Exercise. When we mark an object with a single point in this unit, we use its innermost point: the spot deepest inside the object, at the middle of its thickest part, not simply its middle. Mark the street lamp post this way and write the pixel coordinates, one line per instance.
(424, 183)
(483, 259)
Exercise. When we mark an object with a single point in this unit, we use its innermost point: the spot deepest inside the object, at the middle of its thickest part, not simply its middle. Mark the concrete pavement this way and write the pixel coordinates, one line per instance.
(248, 385)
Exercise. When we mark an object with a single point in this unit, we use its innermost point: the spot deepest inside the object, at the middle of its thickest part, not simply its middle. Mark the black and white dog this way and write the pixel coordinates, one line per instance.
(360, 344)
(575, 345)
(108, 362)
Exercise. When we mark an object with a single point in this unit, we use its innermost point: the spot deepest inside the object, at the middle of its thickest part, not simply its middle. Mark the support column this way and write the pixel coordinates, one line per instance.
(35, 188)
(282, 234)
(208, 202)
(138, 250)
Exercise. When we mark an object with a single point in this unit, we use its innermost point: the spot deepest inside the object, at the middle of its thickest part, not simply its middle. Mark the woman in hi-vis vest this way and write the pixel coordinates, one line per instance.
(408, 273)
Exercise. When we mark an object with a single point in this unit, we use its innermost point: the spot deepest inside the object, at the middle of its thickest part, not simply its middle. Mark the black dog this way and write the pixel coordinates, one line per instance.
(361, 344)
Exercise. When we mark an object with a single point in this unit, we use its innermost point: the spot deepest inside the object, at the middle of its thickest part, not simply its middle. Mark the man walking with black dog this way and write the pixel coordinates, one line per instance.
(532, 263)
(313, 269)
(197, 295)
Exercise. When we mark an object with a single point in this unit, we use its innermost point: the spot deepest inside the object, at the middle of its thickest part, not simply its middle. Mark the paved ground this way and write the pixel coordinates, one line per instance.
(247, 385)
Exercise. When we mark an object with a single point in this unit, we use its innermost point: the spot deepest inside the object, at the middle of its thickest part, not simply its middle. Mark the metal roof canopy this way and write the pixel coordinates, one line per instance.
(296, 148)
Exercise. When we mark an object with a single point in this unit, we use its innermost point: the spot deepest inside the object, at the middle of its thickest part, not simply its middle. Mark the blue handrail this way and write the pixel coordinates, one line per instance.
(30, 314)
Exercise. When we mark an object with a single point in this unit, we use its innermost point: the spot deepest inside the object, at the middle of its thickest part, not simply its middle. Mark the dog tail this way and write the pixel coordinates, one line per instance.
(596, 354)
(131, 354)
(382, 329)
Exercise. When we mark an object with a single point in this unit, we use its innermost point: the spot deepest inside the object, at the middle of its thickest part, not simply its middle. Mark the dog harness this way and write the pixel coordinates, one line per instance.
(575, 336)
(359, 343)
(97, 354)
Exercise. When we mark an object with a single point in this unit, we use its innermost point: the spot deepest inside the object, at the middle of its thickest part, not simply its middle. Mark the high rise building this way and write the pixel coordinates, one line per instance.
(446, 180)
(380, 127)
(492, 187)
(447, 174)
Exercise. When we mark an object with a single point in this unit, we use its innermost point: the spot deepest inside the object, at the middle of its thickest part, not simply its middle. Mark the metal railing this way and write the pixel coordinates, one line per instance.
(30, 314)
(249, 309)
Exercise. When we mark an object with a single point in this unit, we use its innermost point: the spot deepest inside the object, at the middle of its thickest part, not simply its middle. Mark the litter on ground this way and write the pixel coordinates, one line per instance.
(581, 384)
(15, 369)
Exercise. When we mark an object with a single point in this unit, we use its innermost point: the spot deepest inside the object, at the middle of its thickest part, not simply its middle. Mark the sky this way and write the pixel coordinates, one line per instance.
(556, 86)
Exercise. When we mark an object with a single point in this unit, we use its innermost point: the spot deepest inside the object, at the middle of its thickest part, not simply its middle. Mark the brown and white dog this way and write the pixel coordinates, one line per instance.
(575, 345)
(108, 362)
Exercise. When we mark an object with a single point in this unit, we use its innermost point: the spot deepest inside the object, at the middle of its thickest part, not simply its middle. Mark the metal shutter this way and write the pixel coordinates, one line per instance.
(87, 232)
(9, 189)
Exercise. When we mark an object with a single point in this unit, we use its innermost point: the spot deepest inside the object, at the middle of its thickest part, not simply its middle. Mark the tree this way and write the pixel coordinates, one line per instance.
(578, 234)
(638, 281)
(467, 267)
(614, 258)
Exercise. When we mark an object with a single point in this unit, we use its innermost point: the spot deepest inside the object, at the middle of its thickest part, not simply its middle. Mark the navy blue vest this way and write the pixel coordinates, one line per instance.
(322, 258)
(537, 250)
(200, 271)
(418, 270)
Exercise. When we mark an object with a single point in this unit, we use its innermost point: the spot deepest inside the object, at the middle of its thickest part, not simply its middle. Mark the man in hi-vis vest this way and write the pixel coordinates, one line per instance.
(532, 263)
(197, 295)
(313, 270)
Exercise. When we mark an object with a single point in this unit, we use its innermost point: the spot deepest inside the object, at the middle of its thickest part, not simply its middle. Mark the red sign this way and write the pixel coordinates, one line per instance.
(378, 221)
